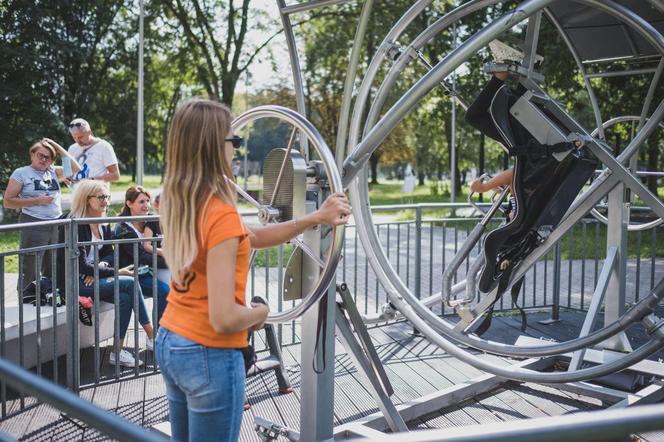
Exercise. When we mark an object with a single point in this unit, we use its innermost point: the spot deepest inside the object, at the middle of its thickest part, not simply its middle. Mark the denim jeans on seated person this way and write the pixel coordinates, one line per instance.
(126, 289)
(162, 290)
(204, 387)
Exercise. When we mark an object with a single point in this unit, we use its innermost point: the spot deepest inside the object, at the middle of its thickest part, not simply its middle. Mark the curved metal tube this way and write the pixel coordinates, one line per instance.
(340, 151)
(326, 276)
(471, 277)
(631, 227)
(298, 84)
(395, 287)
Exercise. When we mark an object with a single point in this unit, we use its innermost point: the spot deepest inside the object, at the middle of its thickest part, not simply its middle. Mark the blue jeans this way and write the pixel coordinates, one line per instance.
(204, 386)
(162, 290)
(126, 289)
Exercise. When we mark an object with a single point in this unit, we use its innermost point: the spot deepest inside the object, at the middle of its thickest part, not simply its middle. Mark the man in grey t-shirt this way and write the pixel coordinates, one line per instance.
(95, 156)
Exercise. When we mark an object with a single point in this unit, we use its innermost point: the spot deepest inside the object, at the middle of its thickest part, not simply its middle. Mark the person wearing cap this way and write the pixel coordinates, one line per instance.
(95, 156)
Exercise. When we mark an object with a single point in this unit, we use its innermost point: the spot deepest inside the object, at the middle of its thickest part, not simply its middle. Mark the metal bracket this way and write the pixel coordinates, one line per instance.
(365, 357)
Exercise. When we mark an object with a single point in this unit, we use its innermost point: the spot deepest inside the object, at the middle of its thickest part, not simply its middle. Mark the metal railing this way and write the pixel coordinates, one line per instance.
(419, 239)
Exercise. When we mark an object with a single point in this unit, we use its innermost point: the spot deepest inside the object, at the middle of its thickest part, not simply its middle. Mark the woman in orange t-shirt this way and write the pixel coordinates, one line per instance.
(207, 248)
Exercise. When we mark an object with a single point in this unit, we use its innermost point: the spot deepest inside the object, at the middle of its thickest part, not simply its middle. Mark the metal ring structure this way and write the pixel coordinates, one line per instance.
(422, 318)
(632, 227)
(324, 153)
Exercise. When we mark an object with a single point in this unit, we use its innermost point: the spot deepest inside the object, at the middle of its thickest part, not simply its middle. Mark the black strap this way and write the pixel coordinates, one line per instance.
(533, 148)
(516, 288)
(321, 331)
(486, 322)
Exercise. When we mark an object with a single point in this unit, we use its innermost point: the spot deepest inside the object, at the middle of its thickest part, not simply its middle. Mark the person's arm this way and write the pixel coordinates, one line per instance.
(504, 178)
(75, 167)
(112, 174)
(147, 246)
(12, 200)
(334, 211)
(225, 314)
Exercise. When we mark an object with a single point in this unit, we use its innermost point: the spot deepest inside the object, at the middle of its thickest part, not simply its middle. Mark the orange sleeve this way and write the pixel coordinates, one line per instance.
(223, 222)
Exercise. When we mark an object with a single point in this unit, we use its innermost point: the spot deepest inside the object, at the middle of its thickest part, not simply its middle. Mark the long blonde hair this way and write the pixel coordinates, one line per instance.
(82, 192)
(196, 169)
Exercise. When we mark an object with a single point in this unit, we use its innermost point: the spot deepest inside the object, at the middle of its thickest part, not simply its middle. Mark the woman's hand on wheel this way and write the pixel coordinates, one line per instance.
(335, 210)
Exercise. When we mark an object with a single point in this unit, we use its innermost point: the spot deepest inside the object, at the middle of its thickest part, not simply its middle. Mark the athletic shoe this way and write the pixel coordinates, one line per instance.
(126, 359)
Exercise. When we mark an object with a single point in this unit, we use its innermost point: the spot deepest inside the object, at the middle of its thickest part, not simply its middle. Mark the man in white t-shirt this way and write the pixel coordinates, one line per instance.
(95, 156)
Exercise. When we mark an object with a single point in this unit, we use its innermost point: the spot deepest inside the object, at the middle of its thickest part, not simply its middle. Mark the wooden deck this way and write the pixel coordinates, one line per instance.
(414, 366)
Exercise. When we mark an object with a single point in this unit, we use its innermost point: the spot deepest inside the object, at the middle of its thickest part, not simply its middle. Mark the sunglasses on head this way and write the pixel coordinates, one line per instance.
(237, 141)
(79, 124)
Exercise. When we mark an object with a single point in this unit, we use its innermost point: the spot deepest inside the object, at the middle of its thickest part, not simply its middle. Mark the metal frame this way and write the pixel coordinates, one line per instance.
(375, 131)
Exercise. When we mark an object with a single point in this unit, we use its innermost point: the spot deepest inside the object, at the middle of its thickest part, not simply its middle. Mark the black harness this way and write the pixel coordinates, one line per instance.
(543, 188)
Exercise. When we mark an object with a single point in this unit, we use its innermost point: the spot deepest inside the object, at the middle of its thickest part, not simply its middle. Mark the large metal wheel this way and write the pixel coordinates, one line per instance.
(267, 212)
(377, 126)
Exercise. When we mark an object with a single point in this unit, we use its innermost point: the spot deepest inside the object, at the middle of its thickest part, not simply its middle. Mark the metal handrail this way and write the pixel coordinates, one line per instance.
(66, 401)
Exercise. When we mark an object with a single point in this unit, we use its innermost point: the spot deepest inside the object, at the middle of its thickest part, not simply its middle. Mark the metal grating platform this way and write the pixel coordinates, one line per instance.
(414, 366)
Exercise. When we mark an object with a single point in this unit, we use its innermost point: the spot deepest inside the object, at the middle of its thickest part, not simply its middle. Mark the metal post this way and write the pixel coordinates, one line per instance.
(616, 236)
(555, 295)
(317, 385)
(139, 113)
(71, 296)
(453, 177)
(418, 252)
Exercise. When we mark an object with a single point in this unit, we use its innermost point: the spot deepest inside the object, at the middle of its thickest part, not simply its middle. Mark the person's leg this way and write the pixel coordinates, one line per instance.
(126, 301)
(217, 408)
(33, 237)
(48, 256)
(177, 401)
(146, 282)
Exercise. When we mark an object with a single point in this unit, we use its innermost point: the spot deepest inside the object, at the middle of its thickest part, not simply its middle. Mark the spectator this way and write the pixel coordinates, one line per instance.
(137, 203)
(90, 200)
(35, 190)
(207, 248)
(95, 156)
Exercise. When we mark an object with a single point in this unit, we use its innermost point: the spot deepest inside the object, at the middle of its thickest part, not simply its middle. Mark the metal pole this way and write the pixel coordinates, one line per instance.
(351, 74)
(139, 114)
(453, 177)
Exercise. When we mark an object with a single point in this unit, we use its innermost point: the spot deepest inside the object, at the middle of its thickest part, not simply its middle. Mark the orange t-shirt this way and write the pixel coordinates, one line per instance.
(187, 310)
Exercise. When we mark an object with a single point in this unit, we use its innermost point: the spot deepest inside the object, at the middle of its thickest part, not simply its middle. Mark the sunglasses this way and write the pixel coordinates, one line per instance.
(76, 125)
(237, 141)
(43, 157)
(101, 198)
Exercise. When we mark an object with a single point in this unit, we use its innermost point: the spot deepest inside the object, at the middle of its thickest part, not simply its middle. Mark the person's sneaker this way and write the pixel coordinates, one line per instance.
(149, 344)
(126, 359)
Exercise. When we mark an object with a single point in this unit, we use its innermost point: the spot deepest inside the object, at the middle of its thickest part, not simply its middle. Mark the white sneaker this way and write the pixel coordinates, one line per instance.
(149, 344)
(126, 359)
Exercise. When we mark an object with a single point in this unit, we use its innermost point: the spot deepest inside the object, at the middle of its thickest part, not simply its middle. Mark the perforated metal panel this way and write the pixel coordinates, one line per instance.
(292, 189)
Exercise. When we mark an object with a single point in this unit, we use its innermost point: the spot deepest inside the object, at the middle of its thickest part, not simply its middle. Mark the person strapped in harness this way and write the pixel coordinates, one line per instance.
(544, 181)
